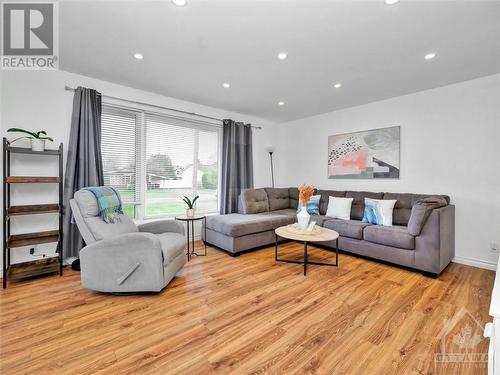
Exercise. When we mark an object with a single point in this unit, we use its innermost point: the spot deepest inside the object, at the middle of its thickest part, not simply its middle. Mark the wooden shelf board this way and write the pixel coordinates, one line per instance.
(26, 239)
(24, 150)
(34, 268)
(31, 180)
(33, 209)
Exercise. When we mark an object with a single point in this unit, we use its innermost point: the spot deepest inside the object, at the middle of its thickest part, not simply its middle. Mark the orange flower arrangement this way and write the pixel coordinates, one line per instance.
(305, 193)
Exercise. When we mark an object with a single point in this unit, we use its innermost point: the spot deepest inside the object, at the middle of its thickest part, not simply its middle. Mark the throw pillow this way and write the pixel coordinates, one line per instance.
(339, 208)
(421, 211)
(379, 211)
(312, 206)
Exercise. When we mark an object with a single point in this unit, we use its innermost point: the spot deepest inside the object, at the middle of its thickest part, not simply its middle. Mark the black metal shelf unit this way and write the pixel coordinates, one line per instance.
(10, 241)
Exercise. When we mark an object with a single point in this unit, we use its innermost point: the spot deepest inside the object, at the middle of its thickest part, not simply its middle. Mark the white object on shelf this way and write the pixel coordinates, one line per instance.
(37, 144)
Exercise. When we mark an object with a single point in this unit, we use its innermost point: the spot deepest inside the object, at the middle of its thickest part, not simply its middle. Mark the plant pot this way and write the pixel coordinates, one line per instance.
(37, 144)
(190, 212)
(303, 218)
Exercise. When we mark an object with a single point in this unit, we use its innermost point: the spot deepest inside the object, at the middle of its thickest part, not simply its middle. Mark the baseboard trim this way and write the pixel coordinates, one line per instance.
(475, 263)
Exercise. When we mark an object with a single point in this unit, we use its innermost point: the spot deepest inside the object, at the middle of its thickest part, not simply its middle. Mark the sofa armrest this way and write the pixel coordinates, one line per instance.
(131, 262)
(162, 226)
(435, 246)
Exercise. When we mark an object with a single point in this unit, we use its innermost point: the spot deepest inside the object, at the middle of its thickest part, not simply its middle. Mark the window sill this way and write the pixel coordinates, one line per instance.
(151, 219)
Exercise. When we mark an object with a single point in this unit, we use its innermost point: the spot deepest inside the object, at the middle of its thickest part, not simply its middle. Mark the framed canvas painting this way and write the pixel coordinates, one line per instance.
(365, 155)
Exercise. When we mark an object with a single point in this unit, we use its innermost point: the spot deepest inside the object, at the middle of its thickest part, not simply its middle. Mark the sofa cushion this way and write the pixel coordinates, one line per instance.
(395, 236)
(421, 211)
(346, 228)
(253, 201)
(101, 230)
(404, 204)
(278, 198)
(358, 203)
(325, 194)
(172, 245)
(293, 194)
(320, 219)
(287, 211)
(236, 225)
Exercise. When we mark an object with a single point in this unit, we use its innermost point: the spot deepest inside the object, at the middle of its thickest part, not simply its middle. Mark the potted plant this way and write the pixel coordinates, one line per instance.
(37, 138)
(305, 193)
(190, 203)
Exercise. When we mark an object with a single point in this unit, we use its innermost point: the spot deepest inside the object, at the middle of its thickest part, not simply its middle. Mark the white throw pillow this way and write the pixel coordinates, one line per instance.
(382, 211)
(339, 208)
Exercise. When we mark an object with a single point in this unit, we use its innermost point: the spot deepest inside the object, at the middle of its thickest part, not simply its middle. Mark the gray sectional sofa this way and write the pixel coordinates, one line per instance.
(263, 210)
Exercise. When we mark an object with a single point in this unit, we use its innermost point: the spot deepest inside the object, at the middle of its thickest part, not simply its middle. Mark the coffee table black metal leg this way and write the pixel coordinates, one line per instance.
(305, 257)
(337, 252)
(275, 247)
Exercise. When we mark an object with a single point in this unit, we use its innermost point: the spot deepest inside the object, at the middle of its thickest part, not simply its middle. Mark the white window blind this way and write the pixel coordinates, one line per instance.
(154, 159)
(118, 147)
(181, 159)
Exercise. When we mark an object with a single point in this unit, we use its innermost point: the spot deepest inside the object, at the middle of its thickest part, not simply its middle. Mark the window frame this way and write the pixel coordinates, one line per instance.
(142, 111)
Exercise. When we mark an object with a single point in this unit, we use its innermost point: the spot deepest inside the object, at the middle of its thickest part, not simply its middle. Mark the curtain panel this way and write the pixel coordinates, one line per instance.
(84, 160)
(237, 163)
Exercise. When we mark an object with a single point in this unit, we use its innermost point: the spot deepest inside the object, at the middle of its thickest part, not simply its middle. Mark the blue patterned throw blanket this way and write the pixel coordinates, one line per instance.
(109, 203)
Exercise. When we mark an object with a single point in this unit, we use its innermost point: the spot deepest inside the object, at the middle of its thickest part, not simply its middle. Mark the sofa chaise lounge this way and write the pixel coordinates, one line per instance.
(261, 211)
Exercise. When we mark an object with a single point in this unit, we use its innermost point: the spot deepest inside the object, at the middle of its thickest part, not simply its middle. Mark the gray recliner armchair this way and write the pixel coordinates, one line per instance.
(122, 257)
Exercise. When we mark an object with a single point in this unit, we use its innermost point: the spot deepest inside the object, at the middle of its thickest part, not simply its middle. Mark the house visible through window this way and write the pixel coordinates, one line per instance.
(155, 159)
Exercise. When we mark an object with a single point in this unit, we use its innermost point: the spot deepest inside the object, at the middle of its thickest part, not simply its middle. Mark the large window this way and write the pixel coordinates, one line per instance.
(154, 159)
(119, 153)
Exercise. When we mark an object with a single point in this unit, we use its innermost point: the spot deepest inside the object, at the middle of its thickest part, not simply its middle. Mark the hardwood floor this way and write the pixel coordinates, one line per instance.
(250, 315)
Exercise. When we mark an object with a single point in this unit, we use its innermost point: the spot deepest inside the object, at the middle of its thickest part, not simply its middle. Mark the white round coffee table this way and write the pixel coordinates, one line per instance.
(319, 234)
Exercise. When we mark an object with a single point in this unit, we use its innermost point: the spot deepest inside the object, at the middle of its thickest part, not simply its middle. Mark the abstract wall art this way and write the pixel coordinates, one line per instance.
(365, 155)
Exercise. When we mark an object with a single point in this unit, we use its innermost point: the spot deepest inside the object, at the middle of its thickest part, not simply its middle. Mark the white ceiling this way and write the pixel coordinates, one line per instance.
(376, 51)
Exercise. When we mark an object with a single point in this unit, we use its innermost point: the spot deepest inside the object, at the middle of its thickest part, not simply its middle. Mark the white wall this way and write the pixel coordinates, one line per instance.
(449, 145)
(37, 100)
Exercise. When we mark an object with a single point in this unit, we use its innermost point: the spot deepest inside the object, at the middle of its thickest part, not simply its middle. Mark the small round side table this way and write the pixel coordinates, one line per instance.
(190, 233)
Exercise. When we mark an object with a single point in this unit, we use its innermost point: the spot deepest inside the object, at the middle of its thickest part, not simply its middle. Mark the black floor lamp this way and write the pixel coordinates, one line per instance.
(270, 150)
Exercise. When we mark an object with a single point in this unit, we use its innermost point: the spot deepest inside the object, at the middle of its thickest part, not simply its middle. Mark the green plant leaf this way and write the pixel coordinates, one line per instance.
(17, 139)
(195, 199)
(187, 201)
(18, 130)
(41, 132)
(47, 138)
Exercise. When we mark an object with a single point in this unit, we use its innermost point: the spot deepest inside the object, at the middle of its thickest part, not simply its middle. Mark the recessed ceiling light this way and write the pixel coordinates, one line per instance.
(179, 3)
(430, 56)
(337, 85)
(391, 2)
(138, 56)
(281, 103)
(226, 85)
(282, 55)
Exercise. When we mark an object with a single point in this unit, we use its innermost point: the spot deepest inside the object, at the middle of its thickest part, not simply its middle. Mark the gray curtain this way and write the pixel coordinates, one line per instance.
(84, 160)
(237, 163)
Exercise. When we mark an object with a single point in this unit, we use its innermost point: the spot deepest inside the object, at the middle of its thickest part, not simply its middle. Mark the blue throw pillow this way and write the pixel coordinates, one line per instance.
(312, 206)
(372, 213)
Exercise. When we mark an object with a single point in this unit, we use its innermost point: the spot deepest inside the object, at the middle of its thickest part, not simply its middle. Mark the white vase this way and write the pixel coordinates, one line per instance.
(303, 218)
(37, 144)
(190, 212)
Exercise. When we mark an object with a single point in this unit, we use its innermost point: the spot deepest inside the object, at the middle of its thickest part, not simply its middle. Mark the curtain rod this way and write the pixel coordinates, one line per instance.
(67, 88)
